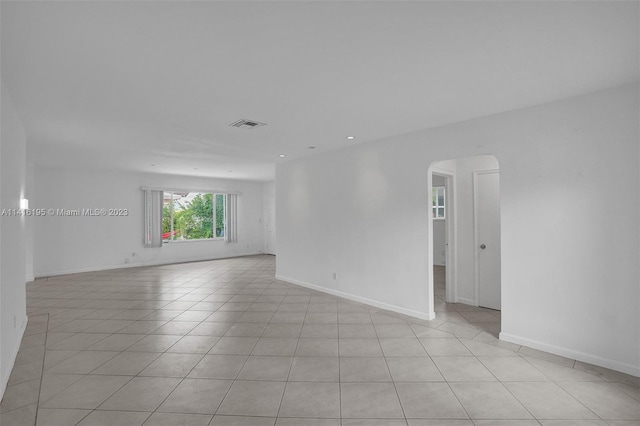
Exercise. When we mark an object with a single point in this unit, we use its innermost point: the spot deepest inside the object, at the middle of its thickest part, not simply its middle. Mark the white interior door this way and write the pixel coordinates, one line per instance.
(487, 222)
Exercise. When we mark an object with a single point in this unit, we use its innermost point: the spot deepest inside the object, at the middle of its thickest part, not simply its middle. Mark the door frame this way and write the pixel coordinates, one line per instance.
(476, 241)
(451, 283)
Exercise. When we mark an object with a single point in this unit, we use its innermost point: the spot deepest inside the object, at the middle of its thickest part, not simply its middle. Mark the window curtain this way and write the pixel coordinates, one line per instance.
(231, 216)
(153, 218)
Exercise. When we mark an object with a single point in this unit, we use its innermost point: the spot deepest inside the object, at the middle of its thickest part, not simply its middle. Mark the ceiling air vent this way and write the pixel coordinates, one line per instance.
(247, 124)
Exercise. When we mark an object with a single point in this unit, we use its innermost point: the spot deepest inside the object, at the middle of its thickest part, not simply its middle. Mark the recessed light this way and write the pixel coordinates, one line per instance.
(351, 138)
(312, 147)
(153, 165)
(282, 155)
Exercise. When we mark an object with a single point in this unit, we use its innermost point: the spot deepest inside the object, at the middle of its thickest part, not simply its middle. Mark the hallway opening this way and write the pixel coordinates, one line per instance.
(465, 240)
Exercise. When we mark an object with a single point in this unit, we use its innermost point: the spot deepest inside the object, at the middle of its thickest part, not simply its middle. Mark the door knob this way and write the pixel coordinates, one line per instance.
(483, 246)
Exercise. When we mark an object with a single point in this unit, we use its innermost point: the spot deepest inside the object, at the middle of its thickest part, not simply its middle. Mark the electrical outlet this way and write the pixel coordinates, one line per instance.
(126, 260)
(335, 275)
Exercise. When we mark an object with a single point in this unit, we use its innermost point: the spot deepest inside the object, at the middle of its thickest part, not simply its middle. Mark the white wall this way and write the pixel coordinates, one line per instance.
(30, 192)
(569, 273)
(76, 244)
(13, 316)
(269, 217)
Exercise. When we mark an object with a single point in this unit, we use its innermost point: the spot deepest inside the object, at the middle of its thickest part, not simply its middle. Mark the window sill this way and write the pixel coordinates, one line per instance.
(203, 240)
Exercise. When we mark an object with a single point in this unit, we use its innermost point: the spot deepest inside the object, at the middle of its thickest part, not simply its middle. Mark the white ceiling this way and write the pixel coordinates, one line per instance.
(124, 85)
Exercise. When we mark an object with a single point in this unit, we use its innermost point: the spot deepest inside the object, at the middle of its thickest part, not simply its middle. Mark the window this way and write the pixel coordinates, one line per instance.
(183, 215)
(438, 201)
(192, 216)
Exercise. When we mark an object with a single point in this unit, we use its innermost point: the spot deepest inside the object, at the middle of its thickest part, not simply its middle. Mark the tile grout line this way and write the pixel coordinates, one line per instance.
(248, 356)
(292, 358)
(404, 414)
(203, 357)
(134, 376)
(44, 356)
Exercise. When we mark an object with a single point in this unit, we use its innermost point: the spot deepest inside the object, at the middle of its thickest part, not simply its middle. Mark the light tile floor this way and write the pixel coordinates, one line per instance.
(224, 343)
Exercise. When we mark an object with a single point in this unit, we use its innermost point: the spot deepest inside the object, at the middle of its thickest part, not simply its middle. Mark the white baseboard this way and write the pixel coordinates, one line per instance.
(138, 264)
(633, 370)
(466, 301)
(360, 299)
(14, 355)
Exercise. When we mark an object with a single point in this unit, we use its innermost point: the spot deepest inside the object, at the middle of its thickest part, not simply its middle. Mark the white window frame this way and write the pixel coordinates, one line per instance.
(215, 209)
(154, 206)
(436, 190)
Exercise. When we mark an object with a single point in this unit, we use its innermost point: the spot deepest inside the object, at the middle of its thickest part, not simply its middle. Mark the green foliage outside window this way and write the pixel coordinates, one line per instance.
(190, 216)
